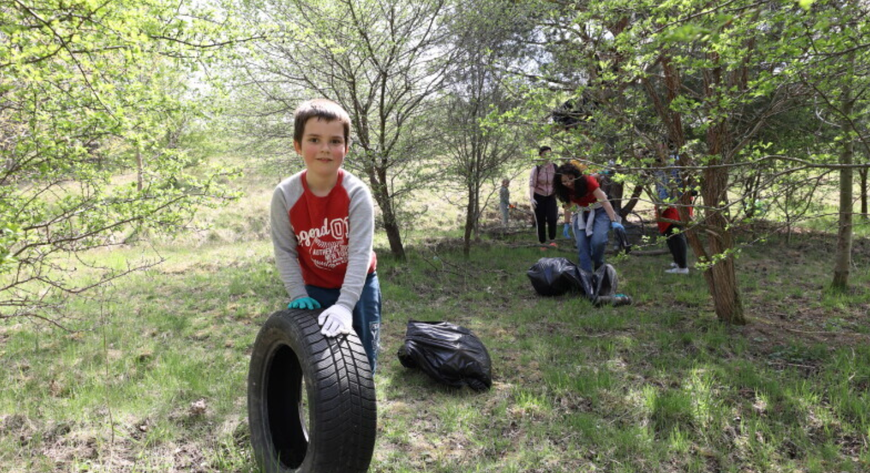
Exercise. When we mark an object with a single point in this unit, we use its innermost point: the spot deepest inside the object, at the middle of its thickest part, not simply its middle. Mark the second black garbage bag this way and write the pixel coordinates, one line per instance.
(448, 353)
(554, 276)
(557, 276)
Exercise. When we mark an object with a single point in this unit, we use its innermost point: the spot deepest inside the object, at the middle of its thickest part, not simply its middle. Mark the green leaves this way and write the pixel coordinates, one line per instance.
(10, 234)
(687, 33)
(91, 93)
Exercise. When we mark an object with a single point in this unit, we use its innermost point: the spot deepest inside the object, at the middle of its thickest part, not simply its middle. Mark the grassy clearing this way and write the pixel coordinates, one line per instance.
(153, 377)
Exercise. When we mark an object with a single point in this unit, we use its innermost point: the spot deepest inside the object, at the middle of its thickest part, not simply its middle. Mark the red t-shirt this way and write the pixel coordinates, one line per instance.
(588, 198)
(321, 226)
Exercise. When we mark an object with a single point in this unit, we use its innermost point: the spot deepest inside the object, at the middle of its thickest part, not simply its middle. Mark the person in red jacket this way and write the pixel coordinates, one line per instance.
(669, 191)
(322, 230)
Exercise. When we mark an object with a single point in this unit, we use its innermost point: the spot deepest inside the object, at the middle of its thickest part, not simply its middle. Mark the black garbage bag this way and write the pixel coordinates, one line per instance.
(600, 287)
(448, 353)
(582, 282)
(622, 240)
(556, 276)
(606, 280)
(553, 276)
(602, 282)
(606, 285)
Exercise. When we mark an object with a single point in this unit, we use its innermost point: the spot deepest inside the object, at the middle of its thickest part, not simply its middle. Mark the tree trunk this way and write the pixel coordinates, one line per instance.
(377, 178)
(721, 276)
(391, 226)
(751, 190)
(843, 257)
(632, 201)
(615, 192)
(863, 173)
(470, 218)
(139, 169)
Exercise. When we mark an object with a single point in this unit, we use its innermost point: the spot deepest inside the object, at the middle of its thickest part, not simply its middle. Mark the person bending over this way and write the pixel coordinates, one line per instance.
(594, 217)
(669, 192)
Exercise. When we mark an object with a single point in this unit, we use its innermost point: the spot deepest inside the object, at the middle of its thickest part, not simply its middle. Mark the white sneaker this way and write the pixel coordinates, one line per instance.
(674, 265)
(677, 271)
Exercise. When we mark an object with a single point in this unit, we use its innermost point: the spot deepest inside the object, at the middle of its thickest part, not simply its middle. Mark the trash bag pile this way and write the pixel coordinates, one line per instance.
(558, 276)
(448, 353)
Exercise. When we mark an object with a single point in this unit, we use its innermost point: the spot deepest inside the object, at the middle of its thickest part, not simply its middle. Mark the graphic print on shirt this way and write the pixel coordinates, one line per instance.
(327, 244)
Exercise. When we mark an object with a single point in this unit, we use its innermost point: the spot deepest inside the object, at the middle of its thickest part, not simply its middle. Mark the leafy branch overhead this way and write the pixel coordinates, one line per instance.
(90, 92)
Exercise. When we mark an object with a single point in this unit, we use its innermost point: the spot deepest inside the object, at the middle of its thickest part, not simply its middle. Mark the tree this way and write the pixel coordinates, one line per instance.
(73, 102)
(381, 60)
(711, 81)
(836, 62)
(476, 150)
(476, 154)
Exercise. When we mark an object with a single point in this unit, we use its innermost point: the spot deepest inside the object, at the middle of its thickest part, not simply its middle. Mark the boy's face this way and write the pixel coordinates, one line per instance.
(323, 146)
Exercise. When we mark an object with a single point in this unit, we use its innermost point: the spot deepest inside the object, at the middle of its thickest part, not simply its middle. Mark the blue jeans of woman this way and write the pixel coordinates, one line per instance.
(366, 313)
(590, 248)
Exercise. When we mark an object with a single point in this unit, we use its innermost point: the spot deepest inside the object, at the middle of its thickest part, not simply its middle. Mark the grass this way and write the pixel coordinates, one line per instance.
(153, 376)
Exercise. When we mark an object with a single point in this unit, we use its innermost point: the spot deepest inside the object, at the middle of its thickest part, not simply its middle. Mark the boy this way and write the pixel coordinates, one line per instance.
(322, 228)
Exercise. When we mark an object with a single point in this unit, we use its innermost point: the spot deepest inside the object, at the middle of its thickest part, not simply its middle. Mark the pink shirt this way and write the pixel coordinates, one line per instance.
(541, 179)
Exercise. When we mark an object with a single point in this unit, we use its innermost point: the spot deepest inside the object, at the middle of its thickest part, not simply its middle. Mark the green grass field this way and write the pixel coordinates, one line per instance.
(152, 378)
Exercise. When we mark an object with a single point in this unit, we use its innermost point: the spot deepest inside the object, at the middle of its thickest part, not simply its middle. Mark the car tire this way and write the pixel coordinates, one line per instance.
(296, 374)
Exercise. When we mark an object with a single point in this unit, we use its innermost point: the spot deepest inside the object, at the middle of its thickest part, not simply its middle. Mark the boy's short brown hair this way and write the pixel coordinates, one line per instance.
(323, 109)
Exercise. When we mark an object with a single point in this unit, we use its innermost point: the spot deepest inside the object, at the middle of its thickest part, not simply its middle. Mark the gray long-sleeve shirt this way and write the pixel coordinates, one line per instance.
(323, 241)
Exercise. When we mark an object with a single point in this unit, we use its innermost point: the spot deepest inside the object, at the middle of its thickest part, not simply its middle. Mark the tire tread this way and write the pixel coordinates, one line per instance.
(341, 397)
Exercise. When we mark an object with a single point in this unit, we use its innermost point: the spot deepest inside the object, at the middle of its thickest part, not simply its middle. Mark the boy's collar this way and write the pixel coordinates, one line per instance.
(338, 180)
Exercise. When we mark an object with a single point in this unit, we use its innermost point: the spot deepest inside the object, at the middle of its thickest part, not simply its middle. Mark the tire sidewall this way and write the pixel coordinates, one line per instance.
(278, 331)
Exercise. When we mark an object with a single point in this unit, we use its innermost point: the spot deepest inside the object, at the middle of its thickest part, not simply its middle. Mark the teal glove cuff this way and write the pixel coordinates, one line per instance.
(304, 303)
(617, 226)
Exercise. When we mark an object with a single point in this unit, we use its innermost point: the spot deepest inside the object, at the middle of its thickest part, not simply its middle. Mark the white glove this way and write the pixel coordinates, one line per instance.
(335, 320)
(533, 204)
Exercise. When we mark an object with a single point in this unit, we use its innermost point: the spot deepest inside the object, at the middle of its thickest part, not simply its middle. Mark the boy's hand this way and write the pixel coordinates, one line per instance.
(304, 303)
(335, 320)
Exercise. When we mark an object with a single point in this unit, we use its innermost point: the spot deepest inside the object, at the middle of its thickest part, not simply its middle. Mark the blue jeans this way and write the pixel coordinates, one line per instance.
(366, 313)
(590, 249)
